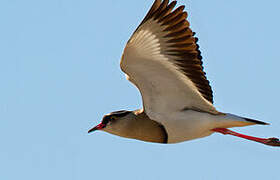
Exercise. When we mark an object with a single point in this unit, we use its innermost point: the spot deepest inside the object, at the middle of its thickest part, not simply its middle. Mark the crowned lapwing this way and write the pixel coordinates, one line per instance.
(162, 59)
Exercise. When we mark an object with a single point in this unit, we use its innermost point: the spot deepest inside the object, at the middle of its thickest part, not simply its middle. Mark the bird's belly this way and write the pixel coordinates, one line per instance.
(188, 125)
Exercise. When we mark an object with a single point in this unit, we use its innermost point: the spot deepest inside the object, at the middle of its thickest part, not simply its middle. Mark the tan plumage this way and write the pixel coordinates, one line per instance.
(162, 59)
(137, 125)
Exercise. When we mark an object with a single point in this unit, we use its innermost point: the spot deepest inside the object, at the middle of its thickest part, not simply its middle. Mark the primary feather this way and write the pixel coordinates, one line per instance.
(163, 61)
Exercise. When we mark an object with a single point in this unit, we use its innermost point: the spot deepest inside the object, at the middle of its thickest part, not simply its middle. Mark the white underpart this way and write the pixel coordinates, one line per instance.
(162, 85)
(165, 90)
(190, 124)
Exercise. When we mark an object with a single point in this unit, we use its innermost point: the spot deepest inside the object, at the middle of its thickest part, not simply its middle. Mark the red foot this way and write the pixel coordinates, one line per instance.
(268, 141)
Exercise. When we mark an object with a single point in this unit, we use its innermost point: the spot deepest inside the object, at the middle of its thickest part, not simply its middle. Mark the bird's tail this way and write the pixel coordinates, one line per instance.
(231, 120)
(256, 121)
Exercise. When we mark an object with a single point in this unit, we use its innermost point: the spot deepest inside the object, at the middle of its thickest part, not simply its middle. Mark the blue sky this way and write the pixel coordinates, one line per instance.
(59, 70)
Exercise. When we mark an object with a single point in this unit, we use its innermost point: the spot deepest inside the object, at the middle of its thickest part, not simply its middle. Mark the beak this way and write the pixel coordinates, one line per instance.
(93, 129)
(98, 127)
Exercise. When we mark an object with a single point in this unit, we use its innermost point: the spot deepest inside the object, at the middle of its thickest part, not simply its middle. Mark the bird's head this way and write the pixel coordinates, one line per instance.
(112, 122)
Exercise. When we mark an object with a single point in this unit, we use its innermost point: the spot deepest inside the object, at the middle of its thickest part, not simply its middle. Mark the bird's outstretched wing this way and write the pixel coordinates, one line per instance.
(163, 61)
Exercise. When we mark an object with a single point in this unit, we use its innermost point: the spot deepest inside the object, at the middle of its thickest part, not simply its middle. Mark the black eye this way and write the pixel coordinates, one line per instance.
(113, 118)
(105, 120)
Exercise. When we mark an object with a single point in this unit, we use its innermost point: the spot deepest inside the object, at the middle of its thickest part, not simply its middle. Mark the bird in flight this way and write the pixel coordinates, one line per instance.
(162, 59)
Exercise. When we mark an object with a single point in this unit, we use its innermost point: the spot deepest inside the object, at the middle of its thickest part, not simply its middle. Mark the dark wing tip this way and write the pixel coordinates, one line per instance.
(151, 12)
(256, 121)
(184, 45)
(182, 42)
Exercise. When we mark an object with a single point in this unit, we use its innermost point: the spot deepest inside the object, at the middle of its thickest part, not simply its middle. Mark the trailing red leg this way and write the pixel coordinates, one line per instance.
(266, 141)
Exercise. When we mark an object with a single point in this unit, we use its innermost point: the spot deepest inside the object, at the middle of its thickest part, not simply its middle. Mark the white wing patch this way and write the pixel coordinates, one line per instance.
(163, 87)
(163, 61)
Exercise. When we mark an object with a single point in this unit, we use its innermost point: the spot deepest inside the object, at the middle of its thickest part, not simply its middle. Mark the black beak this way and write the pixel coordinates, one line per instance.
(93, 129)
(98, 127)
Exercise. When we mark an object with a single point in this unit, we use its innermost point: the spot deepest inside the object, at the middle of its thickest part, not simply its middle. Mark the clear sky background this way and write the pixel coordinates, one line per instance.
(59, 74)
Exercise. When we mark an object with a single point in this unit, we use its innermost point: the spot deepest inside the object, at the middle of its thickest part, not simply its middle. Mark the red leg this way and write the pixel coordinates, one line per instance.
(267, 141)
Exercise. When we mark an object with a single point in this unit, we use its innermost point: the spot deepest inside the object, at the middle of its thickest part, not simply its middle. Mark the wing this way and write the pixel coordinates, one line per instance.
(163, 61)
